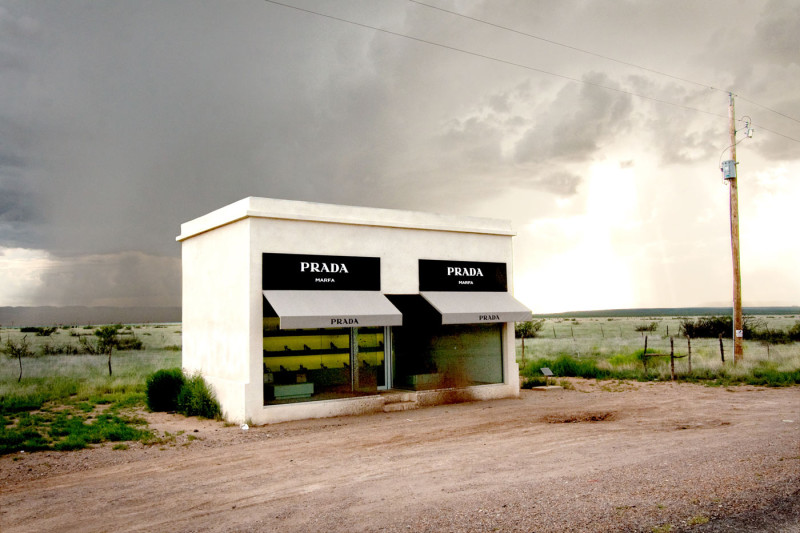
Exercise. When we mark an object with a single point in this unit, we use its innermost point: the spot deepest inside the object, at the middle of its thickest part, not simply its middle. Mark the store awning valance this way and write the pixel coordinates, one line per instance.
(477, 307)
(332, 309)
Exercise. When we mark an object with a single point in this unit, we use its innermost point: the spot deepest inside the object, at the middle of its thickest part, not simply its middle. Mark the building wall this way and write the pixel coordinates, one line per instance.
(222, 299)
(216, 319)
(400, 250)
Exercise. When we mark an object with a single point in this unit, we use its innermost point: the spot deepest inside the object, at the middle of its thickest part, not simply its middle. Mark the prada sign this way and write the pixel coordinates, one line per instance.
(320, 272)
(462, 276)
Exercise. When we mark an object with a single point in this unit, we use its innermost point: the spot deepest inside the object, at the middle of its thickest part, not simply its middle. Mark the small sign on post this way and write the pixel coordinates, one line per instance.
(547, 374)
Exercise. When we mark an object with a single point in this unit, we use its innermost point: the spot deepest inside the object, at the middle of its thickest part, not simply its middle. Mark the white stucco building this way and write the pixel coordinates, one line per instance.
(298, 310)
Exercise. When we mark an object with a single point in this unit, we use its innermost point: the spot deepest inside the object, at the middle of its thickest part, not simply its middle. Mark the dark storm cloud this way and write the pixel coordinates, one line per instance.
(174, 116)
(9, 160)
(573, 127)
(13, 204)
(127, 279)
(121, 120)
(776, 33)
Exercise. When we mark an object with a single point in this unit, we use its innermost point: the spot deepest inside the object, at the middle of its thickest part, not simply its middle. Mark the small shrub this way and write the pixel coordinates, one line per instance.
(652, 326)
(566, 384)
(88, 345)
(60, 349)
(537, 381)
(714, 326)
(197, 399)
(71, 442)
(163, 388)
(39, 331)
(129, 344)
(794, 332)
(18, 349)
(528, 329)
(776, 336)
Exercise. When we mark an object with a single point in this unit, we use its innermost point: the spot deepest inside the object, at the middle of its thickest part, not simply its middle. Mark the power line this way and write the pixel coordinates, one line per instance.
(518, 65)
(556, 43)
(496, 59)
(767, 108)
(589, 52)
(762, 128)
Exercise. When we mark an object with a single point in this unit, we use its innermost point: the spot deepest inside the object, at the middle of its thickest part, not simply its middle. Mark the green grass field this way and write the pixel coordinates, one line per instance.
(613, 345)
(69, 401)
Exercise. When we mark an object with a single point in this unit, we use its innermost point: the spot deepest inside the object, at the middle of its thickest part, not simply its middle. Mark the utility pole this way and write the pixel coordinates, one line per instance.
(738, 322)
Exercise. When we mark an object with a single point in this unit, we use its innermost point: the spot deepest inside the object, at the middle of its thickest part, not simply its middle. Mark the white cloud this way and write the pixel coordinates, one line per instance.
(22, 274)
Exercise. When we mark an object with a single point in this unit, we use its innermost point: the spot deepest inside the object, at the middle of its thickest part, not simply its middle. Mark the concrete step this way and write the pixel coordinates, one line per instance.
(399, 406)
(397, 397)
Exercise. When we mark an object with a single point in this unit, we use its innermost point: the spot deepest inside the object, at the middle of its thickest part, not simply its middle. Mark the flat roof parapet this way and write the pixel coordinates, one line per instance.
(339, 214)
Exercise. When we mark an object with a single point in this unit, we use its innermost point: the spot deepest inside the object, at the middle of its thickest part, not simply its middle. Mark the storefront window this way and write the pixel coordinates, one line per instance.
(371, 369)
(448, 356)
(321, 364)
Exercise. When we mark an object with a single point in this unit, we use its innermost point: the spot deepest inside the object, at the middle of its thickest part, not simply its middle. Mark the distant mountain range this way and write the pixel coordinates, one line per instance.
(74, 315)
(674, 311)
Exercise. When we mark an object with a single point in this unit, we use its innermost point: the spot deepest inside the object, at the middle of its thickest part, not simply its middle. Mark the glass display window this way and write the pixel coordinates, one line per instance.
(448, 356)
(321, 364)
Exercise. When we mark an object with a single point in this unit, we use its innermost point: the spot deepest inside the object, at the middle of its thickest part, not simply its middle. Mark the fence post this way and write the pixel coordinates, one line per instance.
(721, 348)
(672, 358)
(644, 357)
(689, 343)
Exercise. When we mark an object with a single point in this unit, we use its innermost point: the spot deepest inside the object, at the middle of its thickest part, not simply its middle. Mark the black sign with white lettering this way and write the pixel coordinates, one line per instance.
(320, 272)
(468, 276)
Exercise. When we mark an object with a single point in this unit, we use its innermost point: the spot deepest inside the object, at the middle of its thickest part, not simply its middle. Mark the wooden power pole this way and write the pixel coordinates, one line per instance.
(738, 322)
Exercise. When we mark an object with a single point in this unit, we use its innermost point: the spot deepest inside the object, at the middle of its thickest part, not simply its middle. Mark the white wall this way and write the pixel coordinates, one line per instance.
(216, 320)
(222, 299)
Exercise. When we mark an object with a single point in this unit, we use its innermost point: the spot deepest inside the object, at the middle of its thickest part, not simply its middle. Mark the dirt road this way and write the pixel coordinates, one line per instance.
(603, 457)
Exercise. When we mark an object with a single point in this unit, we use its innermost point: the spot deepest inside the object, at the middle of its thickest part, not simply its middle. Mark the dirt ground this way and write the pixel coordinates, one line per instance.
(605, 456)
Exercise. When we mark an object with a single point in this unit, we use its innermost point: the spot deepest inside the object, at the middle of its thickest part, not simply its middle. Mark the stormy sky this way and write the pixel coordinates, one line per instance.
(596, 127)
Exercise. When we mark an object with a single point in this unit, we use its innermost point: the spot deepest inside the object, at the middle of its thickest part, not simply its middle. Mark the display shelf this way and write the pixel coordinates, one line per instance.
(322, 332)
(299, 353)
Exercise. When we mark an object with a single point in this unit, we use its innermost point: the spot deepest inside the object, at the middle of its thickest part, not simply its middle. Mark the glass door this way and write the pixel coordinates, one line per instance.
(371, 359)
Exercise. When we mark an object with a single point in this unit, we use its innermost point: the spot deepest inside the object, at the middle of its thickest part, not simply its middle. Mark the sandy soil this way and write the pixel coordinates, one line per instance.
(606, 456)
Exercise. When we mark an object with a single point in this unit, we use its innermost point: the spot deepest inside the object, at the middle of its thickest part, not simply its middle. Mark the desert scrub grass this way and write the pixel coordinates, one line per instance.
(533, 381)
(75, 385)
(69, 428)
(565, 366)
(615, 348)
(698, 520)
(197, 399)
(61, 377)
(708, 372)
(163, 389)
(171, 390)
